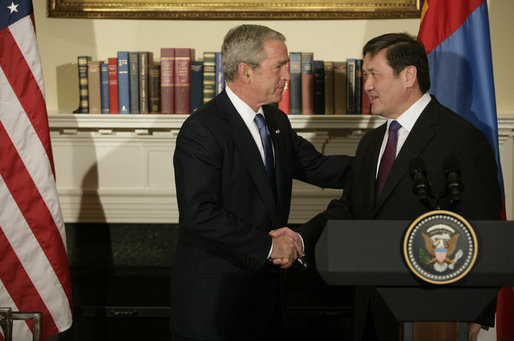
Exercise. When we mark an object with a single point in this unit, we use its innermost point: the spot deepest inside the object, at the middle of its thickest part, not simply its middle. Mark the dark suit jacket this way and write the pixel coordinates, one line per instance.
(437, 135)
(222, 284)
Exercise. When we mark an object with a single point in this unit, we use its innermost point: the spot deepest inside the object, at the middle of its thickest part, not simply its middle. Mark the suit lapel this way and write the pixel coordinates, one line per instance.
(418, 139)
(249, 152)
(370, 167)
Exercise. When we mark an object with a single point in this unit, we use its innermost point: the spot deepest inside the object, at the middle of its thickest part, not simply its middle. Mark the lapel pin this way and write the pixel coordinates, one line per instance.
(277, 131)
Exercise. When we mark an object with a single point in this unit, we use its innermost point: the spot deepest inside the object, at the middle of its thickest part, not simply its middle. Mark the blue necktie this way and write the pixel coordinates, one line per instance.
(386, 163)
(260, 121)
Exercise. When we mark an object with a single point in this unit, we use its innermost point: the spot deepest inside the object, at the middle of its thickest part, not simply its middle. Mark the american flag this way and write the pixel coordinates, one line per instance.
(34, 271)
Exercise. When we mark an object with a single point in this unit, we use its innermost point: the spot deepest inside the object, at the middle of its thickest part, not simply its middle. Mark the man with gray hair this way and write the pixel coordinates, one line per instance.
(234, 162)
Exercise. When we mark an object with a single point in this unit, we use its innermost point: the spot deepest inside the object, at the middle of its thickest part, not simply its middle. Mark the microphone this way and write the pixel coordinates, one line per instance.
(454, 185)
(421, 186)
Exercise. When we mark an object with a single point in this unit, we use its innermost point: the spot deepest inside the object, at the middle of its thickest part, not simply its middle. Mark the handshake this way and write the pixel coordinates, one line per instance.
(287, 247)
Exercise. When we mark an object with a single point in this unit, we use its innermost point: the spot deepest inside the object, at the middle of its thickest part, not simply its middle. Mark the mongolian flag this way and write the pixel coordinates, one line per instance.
(457, 40)
(34, 271)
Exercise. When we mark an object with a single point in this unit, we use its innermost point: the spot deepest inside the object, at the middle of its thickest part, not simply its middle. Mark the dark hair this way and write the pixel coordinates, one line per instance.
(402, 50)
(245, 44)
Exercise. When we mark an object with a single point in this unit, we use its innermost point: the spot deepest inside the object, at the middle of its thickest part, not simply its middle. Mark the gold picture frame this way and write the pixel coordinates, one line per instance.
(235, 9)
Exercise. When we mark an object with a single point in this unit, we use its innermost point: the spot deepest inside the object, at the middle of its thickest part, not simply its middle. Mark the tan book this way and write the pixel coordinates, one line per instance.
(93, 75)
(340, 86)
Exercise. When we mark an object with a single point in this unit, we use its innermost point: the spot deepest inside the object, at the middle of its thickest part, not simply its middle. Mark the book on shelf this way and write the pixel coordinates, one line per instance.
(284, 102)
(358, 86)
(181, 85)
(113, 85)
(123, 82)
(144, 61)
(167, 80)
(134, 81)
(196, 94)
(209, 76)
(93, 75)
(319, 87)
(329, 87)
(182, 80)
(307, 83)
(83, 85)
(220, 77)
(154, 88)
(366, 103)
(340, 90)
(351, 86)
(104, 88)
(295, 83)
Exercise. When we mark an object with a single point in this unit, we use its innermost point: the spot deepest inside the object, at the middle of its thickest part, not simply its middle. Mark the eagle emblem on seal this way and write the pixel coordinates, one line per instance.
(440, 244)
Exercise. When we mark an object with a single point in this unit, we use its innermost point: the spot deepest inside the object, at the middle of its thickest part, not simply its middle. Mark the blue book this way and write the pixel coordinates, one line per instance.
(295, 84)
(220, 77)
(196, 85)
(104, 89)
(123, 82)
(134, 82)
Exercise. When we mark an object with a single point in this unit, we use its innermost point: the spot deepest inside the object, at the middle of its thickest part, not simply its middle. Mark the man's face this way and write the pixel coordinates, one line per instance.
(387, 91)
(269, 78)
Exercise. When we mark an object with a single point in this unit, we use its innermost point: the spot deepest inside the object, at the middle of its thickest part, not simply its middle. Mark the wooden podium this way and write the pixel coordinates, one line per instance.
(369, 253)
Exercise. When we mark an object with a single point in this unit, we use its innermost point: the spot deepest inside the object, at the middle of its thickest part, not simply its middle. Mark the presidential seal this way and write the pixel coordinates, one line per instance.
(440, 247)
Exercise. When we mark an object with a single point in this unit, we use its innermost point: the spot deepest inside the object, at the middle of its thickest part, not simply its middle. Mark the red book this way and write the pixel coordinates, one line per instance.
(182, 82)
(113, 85)
(167, 80)
(284, 102)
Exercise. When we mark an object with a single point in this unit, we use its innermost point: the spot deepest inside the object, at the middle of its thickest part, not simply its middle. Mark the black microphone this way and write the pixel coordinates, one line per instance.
(421, 186)
(454, 185)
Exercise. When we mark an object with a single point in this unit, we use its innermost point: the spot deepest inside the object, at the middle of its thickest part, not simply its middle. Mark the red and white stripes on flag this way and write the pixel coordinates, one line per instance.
(34, 271)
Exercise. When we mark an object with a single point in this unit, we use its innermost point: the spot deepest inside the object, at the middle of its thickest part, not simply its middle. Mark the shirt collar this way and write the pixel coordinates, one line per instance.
(411, 115)
(247, 113)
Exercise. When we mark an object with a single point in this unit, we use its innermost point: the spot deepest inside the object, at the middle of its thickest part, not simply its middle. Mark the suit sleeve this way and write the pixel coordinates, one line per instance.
(317, 169)
(311, 230)
(198, 162)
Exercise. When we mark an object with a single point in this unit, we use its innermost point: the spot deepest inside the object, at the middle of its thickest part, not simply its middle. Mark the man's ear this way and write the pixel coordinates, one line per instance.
(411, 75)
(244, 72)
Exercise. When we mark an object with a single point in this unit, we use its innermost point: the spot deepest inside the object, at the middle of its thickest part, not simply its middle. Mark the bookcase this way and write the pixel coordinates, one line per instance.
(119, 169)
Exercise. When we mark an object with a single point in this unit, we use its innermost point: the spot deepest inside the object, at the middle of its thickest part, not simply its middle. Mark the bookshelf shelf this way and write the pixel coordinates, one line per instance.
(119, 169)
(58, 120)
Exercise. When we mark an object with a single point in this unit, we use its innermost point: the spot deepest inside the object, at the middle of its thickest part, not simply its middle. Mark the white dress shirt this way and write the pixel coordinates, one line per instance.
(407, 121)
(247, 114)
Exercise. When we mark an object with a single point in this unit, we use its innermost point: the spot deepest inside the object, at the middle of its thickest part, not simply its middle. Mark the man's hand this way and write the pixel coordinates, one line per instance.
(473, 330)
(278, 257)
(284, 252)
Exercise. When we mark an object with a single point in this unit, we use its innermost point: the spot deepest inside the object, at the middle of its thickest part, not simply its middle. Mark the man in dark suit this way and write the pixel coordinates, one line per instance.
(233, 188)
(396, 78)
